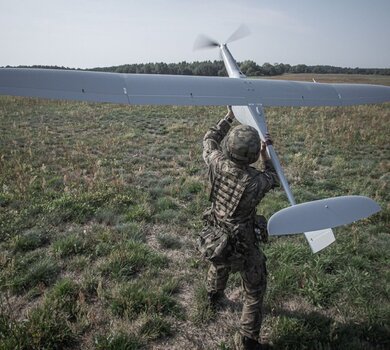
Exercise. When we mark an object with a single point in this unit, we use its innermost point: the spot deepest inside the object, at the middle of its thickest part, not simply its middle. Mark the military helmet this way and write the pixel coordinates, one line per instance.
(242, 144)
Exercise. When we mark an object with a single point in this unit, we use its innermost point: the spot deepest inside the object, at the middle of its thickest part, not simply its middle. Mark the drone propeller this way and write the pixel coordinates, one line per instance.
(205, 42)
(241, 32)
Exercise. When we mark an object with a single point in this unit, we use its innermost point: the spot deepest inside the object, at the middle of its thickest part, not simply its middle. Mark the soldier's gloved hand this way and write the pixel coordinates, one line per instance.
(268, 140)
(263, 149)
(261, 228)
(264, 236)
(230, 115)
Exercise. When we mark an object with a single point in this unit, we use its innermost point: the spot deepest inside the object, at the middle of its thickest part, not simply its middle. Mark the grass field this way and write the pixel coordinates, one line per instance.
(100, 205)
(336, 78)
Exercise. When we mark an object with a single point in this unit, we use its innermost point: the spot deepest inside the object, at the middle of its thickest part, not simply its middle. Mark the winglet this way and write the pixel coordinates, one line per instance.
(321, 214)
(320, 239)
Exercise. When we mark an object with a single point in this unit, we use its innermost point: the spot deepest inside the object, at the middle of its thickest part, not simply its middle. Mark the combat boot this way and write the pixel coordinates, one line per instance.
(242, 342)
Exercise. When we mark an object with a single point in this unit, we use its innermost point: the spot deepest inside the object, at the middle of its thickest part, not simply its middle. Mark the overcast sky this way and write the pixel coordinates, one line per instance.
(91, 33)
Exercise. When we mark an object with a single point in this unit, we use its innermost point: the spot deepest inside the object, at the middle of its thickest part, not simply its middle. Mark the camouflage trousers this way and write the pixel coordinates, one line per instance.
(254, 283)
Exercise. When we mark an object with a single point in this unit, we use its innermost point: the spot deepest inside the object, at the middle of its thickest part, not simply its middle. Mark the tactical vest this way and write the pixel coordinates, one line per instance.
(226, 192)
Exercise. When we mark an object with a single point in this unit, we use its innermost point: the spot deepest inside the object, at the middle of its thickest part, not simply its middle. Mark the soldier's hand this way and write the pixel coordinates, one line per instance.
(264, 236)
(261, 228)
(230, 114)
(268, 140)
(263, 149)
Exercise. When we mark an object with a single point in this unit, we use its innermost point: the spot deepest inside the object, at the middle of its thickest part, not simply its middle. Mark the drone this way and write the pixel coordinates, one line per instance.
(248, 97)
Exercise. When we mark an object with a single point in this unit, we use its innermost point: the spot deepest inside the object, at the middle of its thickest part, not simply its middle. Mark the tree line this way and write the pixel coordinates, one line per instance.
(249, 68)
(217, 68)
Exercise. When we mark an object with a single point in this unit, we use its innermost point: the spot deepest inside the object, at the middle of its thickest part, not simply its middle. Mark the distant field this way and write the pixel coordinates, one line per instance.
(337, 78)
(99, 209)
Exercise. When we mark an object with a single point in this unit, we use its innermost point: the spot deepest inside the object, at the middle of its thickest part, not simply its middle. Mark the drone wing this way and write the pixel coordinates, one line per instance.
(145, 89)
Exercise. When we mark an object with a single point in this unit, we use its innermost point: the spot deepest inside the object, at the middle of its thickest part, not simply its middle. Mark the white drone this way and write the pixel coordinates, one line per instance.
(247, 96)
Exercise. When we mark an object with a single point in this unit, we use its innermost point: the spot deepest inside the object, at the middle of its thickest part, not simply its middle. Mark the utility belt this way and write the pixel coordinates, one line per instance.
(224, 242)
(216, 240)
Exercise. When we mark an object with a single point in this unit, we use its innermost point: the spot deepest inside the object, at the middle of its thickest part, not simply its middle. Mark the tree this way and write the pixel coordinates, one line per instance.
(250, 68)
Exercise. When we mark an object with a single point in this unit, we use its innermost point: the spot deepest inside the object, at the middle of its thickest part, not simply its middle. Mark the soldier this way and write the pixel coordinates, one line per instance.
(229, 239)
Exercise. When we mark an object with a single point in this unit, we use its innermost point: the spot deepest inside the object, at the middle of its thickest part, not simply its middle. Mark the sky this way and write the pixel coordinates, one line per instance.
(97, 33)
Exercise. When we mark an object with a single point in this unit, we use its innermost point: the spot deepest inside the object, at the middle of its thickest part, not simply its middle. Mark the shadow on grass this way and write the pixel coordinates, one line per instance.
(313, 330)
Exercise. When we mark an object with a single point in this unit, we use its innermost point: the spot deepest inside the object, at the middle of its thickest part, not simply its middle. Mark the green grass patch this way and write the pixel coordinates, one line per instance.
(139, 212)
(64, 296)
(118, 341)
(168, 241)
(124, 263)
(71, 244)
(130, 231)
(106, 216)
(136, 298)
(191, 187)
(155, 327)
(30, 240)
(169, 216)
(164, 203)
(203, 313)
(73, 209)
(32, 271)
(44, 328)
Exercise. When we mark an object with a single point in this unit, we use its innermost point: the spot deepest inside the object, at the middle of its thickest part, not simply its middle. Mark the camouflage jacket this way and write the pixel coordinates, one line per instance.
(246, 184)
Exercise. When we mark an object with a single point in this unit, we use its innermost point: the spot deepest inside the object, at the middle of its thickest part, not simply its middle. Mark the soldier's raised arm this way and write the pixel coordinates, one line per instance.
(270, 175)
(214, 136)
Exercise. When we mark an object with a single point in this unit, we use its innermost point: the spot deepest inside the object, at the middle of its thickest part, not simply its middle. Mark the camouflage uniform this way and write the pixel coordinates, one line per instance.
(236, 191)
